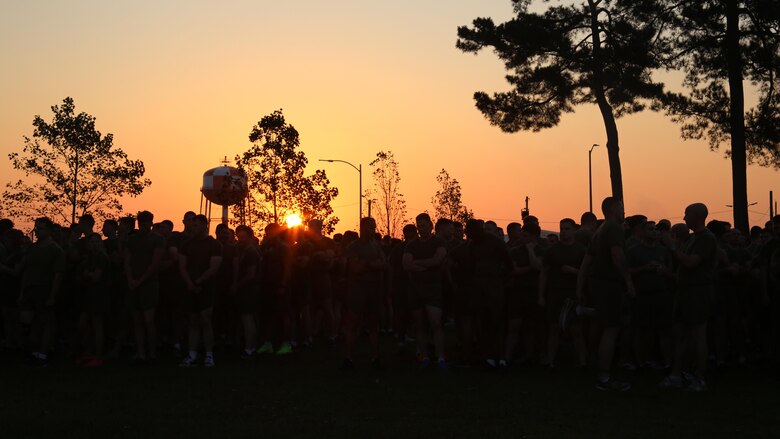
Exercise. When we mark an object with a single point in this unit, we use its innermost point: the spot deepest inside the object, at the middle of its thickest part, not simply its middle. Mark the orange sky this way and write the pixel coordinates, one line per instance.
(180, 84)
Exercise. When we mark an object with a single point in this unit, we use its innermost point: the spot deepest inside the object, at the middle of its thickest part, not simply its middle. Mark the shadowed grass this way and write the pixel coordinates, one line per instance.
(304, 394)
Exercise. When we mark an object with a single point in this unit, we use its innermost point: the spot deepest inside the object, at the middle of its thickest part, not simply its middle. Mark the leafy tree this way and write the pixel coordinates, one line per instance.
(720, 44)
(447, 202)
(594, 51)
(71, 168)
(391, 205)
(275, 177)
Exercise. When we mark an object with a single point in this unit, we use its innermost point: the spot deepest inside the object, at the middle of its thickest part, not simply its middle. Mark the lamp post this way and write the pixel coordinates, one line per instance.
(590, 178)
(359, 169)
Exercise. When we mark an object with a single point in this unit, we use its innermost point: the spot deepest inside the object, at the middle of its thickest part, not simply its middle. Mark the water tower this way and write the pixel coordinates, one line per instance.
(224, 186)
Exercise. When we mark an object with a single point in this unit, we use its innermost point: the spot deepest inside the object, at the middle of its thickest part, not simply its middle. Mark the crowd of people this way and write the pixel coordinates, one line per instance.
(625, 292)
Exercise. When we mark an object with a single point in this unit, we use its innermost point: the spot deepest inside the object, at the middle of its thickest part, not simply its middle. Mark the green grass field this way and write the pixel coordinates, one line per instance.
(306, 395)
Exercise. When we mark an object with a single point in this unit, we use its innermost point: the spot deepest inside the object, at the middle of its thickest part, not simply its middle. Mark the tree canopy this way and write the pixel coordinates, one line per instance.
(390, 203)
(719, 45)
(275, 168)
(72, 170)
(448, 199)
(594, 51)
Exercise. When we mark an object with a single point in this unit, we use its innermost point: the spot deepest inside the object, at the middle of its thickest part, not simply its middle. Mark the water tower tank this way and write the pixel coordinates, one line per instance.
(224, 185)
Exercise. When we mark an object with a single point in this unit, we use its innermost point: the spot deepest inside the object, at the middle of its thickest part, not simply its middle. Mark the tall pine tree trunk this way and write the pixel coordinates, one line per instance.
(736, 118)
(607, 113)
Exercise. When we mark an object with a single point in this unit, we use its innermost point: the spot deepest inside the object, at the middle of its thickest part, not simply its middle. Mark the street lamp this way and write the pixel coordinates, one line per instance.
(590, 178)
(359, 169)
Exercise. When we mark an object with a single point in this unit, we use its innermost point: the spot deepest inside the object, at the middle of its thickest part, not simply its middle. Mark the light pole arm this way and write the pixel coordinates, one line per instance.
(359, 169)
(344, 161)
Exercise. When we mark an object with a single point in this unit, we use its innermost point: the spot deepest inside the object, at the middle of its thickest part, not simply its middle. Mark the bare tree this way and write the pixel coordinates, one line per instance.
(447, 202)
(390, 203)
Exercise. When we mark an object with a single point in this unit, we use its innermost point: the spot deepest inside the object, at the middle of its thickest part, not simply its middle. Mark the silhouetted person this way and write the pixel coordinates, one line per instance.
(366, 266)
(696, 258)
(423, 259)
(144, 252)
(42, 274)
(199, 261)
(610, 282)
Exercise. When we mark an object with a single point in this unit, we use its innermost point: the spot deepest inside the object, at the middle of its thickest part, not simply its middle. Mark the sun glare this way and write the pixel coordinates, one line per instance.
(293, 220)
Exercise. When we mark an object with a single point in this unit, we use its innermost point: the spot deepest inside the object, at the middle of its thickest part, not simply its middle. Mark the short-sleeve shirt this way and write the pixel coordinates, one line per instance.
(703, 244)
(199, 252)
(276, 255)
(425, 249)
(247, 257)
(490, 256)
(609, 235)
(319, 265)
(225, 272)
(643, 254)
(365, 251)
(97, 261)
(42, 263)
(141, 247)
(583, 237)
(556, 257)
(528, 281)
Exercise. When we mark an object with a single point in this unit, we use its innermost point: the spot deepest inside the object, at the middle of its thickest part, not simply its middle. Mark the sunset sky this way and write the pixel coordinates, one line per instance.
(181, 83)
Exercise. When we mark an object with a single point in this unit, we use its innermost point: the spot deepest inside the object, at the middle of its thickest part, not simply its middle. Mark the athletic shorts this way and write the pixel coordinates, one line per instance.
(199, 300)
(653, 310)
(33, 298)
(97, 301)
(522, 303)
(465, 300)
(301, 293)
(693, 305)
(144, 298)
(401, 297)
(425, 294)
(610, 301)
(553, 304)
(365, 297)
(492, 295)
(246, 300)
(321, 288)
(9, 297)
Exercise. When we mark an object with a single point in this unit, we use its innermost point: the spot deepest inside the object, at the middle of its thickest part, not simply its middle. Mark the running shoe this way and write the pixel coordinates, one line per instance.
(92, 362)
(613, 386)
(83, 359)
(671, 382)
(425, 363)
(266, 348)
(442, 364)
(285, 348)
(188, 362)
(697, 385)
(38, 360)
(208, 361)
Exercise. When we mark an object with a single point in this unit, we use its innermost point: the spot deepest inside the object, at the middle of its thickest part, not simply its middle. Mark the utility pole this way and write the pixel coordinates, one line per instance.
(525, 212)
(590, 178)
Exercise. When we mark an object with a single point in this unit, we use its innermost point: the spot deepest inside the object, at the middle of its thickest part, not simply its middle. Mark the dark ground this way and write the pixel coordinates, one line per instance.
(305, 394)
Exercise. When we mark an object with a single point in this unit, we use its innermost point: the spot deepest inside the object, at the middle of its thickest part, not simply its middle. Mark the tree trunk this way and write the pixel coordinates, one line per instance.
(607, 114)
(736, 118)
(276, 216)
(75, 188)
